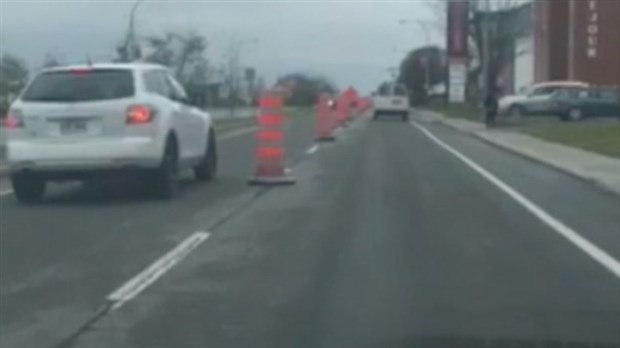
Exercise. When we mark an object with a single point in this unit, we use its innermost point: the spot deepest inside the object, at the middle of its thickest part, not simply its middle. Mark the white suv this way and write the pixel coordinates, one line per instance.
(83, 122)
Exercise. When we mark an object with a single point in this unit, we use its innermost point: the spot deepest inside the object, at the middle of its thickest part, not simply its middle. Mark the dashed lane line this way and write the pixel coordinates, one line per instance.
(312, 149)
(156, 270)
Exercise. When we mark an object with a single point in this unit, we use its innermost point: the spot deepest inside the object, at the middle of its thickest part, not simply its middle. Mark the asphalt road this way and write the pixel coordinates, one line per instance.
(386, 240)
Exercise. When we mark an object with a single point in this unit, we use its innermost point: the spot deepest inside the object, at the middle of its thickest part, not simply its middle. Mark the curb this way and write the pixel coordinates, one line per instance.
(593, 181)
(590, 180)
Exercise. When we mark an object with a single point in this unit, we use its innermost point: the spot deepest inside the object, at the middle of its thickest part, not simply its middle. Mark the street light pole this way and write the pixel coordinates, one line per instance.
(234, 65)
(131, 35)
(427, 68)
(485, 46)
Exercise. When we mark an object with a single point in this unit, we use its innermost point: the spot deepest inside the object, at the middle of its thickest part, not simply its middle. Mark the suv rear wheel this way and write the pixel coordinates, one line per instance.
(165, 178)
(207, 168)
(28, 188)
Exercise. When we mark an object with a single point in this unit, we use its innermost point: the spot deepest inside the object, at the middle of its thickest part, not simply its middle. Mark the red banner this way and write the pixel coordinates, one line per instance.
(458, 28)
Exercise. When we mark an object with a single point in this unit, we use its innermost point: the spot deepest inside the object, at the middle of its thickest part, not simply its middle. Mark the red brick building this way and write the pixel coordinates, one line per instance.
(577, 40)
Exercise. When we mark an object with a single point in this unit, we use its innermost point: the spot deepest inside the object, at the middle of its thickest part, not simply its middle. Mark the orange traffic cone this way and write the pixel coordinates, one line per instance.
(269, 155)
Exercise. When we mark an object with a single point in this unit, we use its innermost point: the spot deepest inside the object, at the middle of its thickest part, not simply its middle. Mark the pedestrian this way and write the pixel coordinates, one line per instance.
(491, 106)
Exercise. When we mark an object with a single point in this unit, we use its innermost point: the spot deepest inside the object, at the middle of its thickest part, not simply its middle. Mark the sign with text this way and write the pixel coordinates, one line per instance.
(457, 80)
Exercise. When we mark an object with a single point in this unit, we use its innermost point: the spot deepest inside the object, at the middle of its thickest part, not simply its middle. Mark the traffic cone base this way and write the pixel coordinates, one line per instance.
(327, 138)
(270, 180)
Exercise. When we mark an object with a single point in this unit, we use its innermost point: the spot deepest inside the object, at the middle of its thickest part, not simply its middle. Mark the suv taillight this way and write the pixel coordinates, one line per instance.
(140, 114)
(13, 120)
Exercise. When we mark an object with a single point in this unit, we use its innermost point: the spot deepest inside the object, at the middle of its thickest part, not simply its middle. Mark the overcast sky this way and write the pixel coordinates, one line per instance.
(351, 42)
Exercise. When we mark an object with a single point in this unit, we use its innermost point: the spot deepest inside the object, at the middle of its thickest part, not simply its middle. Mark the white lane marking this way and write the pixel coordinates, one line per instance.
(582, 243)
(156, 270)
(5, 193)
(314, 148)
(236, 133)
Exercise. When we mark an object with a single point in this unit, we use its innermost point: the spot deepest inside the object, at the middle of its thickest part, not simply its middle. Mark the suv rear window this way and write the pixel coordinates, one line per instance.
(80, 85)
(400, 91)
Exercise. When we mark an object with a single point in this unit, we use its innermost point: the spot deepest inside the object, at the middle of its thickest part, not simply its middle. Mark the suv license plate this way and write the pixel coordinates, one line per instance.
(73, 127)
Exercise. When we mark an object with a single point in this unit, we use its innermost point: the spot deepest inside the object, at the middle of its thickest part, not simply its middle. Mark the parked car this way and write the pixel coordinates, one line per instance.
(391, 100)
(85, 122)
(534, 100)
(572, 104)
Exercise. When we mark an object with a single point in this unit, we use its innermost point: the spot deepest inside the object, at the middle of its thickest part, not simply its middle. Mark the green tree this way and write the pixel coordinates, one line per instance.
(304, 90)
(422, 68)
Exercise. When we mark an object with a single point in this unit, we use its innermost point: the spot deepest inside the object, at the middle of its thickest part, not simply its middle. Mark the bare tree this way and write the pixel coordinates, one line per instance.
(192, 49)
(13, 75)
(177, 51)
(163, 52)
(51, 60)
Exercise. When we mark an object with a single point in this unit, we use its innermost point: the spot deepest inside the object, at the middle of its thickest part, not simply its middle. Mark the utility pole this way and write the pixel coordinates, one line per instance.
(486, 54)
(427, 60)
(234, 65)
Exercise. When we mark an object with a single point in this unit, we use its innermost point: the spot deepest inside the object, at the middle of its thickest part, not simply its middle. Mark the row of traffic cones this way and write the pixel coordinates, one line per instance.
(331, 113)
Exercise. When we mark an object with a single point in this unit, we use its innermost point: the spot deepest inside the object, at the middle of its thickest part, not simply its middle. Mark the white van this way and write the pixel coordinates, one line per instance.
(391, 100)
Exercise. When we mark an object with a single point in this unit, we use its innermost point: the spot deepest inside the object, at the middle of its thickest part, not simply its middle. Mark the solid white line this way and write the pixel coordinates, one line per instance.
(582, 243)
(156, 270)
(314, 148)
(5, 193)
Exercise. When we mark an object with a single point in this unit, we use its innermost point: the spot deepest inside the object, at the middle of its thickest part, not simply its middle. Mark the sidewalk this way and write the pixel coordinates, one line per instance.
(602, 170)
